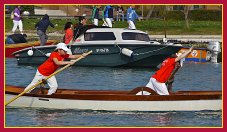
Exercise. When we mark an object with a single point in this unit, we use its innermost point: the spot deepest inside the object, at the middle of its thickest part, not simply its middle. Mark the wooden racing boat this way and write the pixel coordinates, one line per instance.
(116, 100)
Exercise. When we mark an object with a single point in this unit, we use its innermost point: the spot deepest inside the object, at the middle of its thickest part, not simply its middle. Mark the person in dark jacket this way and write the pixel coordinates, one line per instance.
(41, 27)
(81, 27)
(16, 38)
(108, 16)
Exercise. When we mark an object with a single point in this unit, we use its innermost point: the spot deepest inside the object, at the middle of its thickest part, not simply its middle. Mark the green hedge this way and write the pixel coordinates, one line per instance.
(196, 15)
(175, 15)
(206, 15)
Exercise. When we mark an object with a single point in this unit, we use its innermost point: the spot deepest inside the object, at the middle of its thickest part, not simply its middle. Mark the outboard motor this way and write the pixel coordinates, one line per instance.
(214, 48)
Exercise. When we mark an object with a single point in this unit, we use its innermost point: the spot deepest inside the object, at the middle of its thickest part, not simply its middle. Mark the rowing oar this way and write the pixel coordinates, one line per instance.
(41, 81)
(170, 79)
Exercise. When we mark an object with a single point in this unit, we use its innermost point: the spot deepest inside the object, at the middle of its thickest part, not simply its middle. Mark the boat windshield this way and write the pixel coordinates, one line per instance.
(99, 36)
(135, 36)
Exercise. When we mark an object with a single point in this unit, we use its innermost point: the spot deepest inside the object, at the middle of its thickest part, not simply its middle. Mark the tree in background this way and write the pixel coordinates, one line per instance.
(150, 12)
(186, 11)
(29, 8)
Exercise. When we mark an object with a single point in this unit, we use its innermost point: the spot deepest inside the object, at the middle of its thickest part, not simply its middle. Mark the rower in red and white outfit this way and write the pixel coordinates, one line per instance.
(55, 60)
(158, 80)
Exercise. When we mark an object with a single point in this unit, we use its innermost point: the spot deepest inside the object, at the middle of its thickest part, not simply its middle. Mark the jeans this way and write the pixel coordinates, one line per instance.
(9, 41)
(120, 15)
(43, 37)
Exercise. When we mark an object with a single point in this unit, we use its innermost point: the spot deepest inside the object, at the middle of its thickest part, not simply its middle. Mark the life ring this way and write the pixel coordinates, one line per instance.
(194, 53)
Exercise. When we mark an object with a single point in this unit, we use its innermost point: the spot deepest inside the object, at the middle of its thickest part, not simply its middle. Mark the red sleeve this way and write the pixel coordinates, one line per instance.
(52, 55)
(66, 56)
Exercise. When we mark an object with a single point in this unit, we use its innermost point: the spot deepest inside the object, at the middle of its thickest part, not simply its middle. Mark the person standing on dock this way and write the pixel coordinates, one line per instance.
(131, 16)
(120, 13)
(68, 38)
(55, 60)
(108, 16)
(158, 80)
(95, 15)
(41, 27)
(17, 19)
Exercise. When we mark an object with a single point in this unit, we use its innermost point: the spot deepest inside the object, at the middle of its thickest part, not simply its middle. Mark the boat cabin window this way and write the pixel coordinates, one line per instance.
(135, 36)
(98, 36)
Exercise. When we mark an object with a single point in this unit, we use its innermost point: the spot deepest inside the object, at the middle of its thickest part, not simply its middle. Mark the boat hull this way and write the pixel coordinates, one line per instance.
(11, 48)
(111, 105)
(117, 100)
(147, 55)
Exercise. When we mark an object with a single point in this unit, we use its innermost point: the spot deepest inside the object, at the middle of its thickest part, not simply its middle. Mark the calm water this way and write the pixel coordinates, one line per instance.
(191, 77)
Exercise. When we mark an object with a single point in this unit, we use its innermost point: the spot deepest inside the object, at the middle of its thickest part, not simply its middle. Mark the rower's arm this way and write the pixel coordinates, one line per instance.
(59, 63)
(184, 54)
(76, 56)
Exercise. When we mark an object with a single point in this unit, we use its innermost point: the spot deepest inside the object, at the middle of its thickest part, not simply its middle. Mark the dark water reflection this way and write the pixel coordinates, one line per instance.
(77, 118)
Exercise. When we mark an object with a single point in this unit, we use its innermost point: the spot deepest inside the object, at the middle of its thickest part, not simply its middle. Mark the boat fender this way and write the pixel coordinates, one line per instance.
(30, 52)
(127, 52)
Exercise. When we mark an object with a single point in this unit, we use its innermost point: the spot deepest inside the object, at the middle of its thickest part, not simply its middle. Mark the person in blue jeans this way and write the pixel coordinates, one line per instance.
(41, 27)
(120, 13)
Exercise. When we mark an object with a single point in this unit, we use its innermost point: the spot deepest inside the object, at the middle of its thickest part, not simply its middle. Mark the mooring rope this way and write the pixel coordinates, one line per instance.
(136, 54)
(151, 51)
(118, 46)
(39, 51)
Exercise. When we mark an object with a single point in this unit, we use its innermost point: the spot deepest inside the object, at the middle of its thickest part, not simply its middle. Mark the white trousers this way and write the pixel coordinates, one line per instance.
(52, 82)
(16, 24)
(96, 22)
(158, 87)
(131, 25)
(107, 22)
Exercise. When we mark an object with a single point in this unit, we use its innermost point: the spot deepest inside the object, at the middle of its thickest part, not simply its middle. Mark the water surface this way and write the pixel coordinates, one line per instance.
(192, 76)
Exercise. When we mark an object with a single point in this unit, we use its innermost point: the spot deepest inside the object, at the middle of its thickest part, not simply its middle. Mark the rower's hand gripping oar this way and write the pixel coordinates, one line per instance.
(56, 72)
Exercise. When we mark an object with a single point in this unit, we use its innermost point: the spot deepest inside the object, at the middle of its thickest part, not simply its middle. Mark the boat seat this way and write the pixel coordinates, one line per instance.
(143, 89)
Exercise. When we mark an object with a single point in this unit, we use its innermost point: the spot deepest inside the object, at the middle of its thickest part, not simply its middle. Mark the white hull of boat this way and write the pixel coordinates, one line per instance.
(185, 105)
